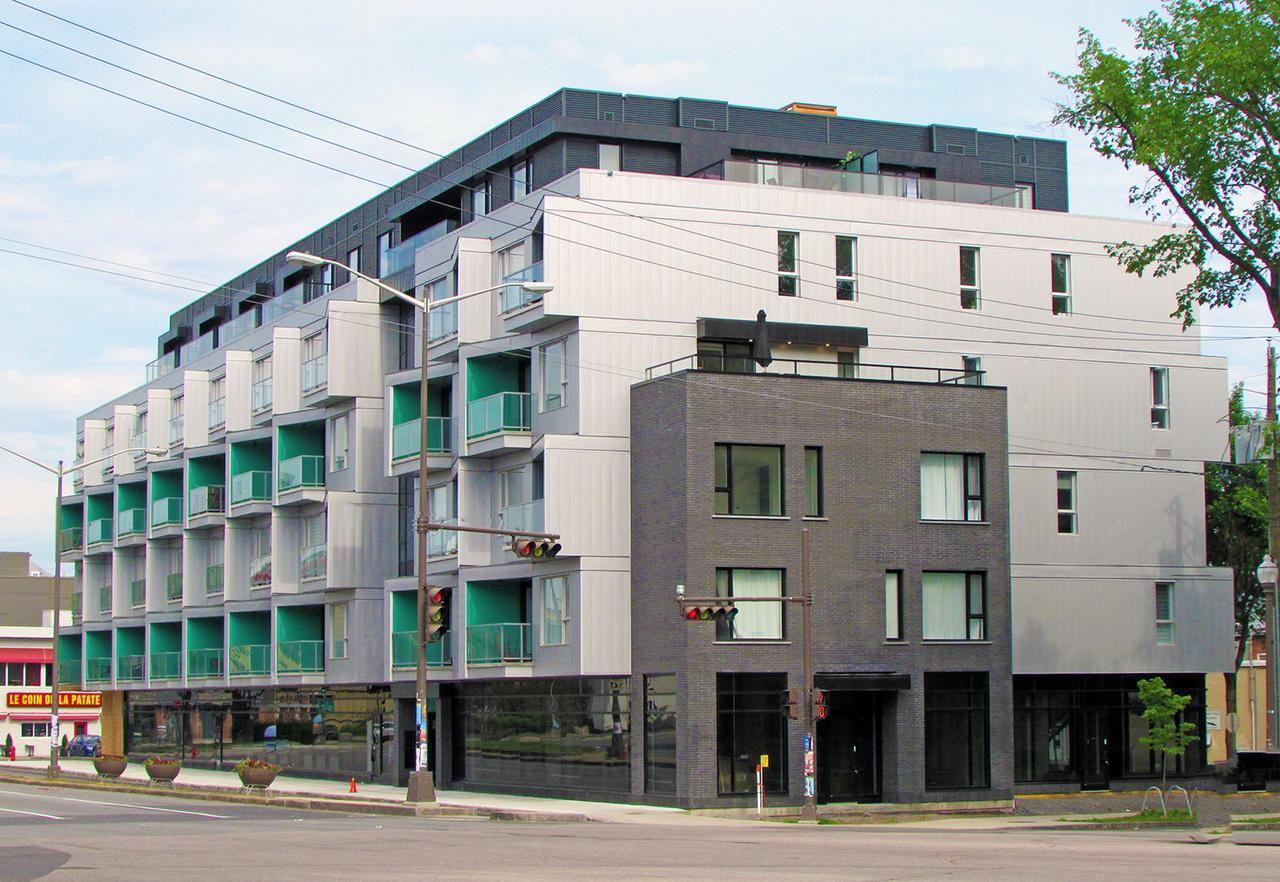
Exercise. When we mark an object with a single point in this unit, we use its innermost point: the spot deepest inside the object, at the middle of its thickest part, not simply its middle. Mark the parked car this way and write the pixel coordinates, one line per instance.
(85, 745)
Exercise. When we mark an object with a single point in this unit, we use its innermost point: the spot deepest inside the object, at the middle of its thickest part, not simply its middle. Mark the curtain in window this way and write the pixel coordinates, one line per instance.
(945, 606)
(758, 621)
(942, 487)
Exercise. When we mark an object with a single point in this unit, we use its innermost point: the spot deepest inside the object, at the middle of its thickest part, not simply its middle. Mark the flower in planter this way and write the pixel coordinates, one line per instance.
(249, 763)
(163, 761)
(112, 757)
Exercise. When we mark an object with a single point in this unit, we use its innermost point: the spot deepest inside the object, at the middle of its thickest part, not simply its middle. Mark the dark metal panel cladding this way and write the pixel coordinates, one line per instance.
(548, 162)
(998, 173)
(995, 148)
(477, 148)
(868, 133)
(580, 104)
(1051, 189)
(1048, 154)
(794, 332)
(696, 113)
(946, 139)
(654, 159)
(651, 111)
(581, 153)
(521, 122)
(778, 123)
(612, 104)
(547, 108)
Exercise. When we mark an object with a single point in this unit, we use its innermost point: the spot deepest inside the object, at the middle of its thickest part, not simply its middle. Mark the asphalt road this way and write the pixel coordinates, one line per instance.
(76, 834)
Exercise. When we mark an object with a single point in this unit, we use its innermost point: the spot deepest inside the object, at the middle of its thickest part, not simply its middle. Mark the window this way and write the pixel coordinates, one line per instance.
(353, 259)
(480, 199)
(555, 610)
(609, 157)
(338, 452)
(441, 509)
(1159, 398)
(954, 606)
(444, 318)
(728, 358)
(813, 482)
(175, 420)
(956, 746)
(260, 556)
(751, 721)
(970, 292)
(406, 535)
(1164, 613)
(314, 549)
(384, 253)
(260, 394)
(1066, 502)
(788, 280)
(338, 630)
(951, 487)
(756, 620)
(217, 403)
(33, 674)
(1060, 283)
(748, 480)
(520, 180)
(326, 278)
(660, 734)
(972, 370)
(893, 605)
(555, 380)
(1024, 196)
(35, 730)
(139, 438)
(14, 674)
(847, 364)
(315, 372)
(846, 268)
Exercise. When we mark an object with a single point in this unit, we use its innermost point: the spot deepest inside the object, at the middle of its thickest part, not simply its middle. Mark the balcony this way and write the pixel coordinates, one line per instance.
(108, 464)
(260, 571)
(213, 580)
(500, 644)
(166, 512)
(104, 600)
(260, 396)
(251, 660)
(68, 672)
(99, 531)
(514, 296)
(166, 665)
(131, 522)
(442, 543)
(254, 486)
(300, 657)
(795, 367)
(406, 438)
(404, 651)
(402, 256)
(175, 431)
(204, 663)
(131, 667)
(138, 593)
(72, 539)
(77, 608)
(522, 517)
(97, 670)
(443, 322)
(208, 500)
(315, 561)
(301, 472)
(217, 414)
(499, 413)
(173, 587)
(315, 373)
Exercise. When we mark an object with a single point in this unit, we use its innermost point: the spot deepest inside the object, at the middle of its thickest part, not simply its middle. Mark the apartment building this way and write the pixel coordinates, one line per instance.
(252, 592)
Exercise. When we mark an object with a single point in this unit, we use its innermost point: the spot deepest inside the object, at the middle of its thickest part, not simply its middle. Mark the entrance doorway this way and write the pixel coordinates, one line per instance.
(849, 748)
(1095, 765)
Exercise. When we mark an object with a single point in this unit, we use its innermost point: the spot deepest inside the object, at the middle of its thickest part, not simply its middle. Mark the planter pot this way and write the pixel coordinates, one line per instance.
(110, 768)
(257, 777)
(163, 771)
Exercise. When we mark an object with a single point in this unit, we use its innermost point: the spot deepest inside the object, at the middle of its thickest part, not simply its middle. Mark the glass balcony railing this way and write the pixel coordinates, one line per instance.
(522, 517)
(99, 531)
(442, 543)
(402, 256)
(68, 672)
(300, 657)
(204, 663)
(97, 670)
(251, 659)
(77, 608)
(166, 512)
(130, 522)
(209, 500)
(166, 665)
(109, 464)
(260, 395)
(139, 443)
(497, 644)
(818, 178)
(173, 586)
(503, 412)
(315, 372)
(315, 561)
(301, 471)
(138, 593)
(72, 539)
(407, 437)
(443, 321)
(131, 667)
(252, 486)
(175, 431)
(213, 580)
(404, 650)
(162, 365)
(260, 571)
(104, 599)
(514, 296)
(217, 413)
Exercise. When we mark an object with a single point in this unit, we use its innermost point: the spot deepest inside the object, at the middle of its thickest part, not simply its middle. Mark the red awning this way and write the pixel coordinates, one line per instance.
(31, 654)
(62, 718)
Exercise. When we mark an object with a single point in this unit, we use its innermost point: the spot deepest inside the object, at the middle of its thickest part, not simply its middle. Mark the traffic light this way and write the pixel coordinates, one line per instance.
(535, 549)
(795, 703)
(820, 709)
(437, 619)
(720, 609)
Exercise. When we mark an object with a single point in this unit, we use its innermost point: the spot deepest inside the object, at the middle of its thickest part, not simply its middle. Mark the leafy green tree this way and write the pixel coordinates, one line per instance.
(1199, 109)
(1165, 732)
(1236, 534)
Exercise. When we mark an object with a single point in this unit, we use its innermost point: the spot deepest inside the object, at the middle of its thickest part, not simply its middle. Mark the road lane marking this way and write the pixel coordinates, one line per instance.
(145, 808)
(34, 814)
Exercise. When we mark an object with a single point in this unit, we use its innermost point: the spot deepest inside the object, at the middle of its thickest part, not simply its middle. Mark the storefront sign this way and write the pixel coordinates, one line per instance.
(65, 699)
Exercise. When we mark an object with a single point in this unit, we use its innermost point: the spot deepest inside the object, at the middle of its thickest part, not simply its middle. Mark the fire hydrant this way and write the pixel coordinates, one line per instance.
(13, 753)
(194, 753)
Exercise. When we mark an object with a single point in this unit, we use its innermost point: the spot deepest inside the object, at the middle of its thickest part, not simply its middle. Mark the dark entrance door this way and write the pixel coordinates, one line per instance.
(849, 748)
(1095, 765)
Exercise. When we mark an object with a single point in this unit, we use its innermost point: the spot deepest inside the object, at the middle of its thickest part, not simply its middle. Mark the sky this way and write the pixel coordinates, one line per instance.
(87, 172)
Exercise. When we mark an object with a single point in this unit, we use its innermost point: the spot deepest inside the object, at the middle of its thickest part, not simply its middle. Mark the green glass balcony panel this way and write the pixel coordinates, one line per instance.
(72, 538)
(204, 663)
(404, 653)
(68, 672)
(131, 522)
(104, 600)
(173, 586)
(300, 656)
(253, 486)
(208, 500)
(131, 667)
(166, 665)
(260, 572)
(99, 531)
(301, 471)
(213, 579)
(406, 438)
(502, 412)
(77, 607)
(315, 373)
(166, 512)
(251, 659)
(315, 561)
(502, 643)
(138, 592)
(97, 670)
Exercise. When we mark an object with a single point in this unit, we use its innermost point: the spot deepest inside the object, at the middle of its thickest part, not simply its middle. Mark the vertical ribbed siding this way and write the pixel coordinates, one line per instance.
(651, 111)
(581, 153)
(654, 159)
(694, 110)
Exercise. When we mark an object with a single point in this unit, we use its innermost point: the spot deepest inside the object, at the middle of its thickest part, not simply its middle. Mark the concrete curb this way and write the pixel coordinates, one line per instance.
(314, 802)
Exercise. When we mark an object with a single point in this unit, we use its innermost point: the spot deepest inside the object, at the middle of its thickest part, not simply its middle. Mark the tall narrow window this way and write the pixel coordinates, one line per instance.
(338, 630)
(847, 363)
(1024, 196)
(748, 480)
(340, 444)
(893, 605)
(217, 403)
(314, 548)
(972, 370)
(660, 734)
(813, 482)
(788, 279)
(956, 744)
(480, 199)
(954, 606)
(326, 278)
(260, 391)
(1066, 502)
(555, 610)
(846, 268)
(1164, 613)
(970, 286)
(951, 487)
(384, 253)
(520, 179)
(315, 362)
(353, 259)
(609, 157)
(1060, 282)
(260, 556)
(175, 421)
(554, 378)
(1159, 398)
(756, 620)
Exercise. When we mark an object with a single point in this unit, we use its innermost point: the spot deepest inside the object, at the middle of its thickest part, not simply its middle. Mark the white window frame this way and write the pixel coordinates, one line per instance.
(340, 443)
(314, 527)
(262, 377)
(971, 293)
(972, 366)
(339, 628)
(521, 179)
(792, 275)
(177, 428)
(260, 547)
(609, 157)
(1060, 300)
(217, 396)
(551, 616)
(384, 251)
(1165, 626)
(850, 281)
(353, 259)
(479, 200)
(1160, 398)
(555, 375)
(1070, 511)
(1024, 195)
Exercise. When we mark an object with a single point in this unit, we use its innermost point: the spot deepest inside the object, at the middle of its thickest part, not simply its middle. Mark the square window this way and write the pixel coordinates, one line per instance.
(748, 480)
(756, 620)
(954, 606)
(951, 487)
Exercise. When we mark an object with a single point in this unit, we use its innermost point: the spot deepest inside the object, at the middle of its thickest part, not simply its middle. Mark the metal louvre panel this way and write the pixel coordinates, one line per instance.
(944, 136)
(547, 108)
(867, 133)
(777, 123)
(580, 153)
(693, 109)
(651, 111)
(548, 163)
(998, 173)
(995, 148)
(614, 104)
(654, 159)
(580, 104)
(477, 148)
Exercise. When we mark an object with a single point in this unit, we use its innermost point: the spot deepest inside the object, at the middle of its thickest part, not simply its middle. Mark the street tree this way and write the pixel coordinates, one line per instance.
(1198, 108)
(1166, 732)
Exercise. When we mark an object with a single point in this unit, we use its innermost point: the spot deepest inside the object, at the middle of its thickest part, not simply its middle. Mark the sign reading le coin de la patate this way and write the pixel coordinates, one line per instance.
(65, 699)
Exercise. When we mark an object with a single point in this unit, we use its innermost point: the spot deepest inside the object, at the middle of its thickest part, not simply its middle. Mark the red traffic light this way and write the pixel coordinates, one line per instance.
(535, 549)
(691, 613)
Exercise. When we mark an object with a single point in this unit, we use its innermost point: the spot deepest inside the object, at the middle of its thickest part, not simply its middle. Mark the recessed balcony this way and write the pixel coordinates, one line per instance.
(501, 643)
(499, 423)
(131, 526)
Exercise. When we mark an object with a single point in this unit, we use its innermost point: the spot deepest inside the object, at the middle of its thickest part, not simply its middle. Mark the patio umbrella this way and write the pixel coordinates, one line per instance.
(760, 350)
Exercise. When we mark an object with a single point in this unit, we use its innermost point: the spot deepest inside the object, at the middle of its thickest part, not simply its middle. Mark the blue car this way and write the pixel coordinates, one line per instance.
(85, 745)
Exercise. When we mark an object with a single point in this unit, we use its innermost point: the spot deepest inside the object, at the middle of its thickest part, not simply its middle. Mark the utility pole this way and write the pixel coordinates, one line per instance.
(809, 812)
(1273, 532)
(54, 746)
(422, 786)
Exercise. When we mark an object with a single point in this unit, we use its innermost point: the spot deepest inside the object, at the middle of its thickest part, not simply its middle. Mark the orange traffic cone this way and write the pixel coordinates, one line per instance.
(352, 788)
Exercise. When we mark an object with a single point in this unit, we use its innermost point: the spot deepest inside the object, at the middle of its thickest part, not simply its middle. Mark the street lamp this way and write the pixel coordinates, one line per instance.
(421, 782)
(60, 472)
(1267, 574)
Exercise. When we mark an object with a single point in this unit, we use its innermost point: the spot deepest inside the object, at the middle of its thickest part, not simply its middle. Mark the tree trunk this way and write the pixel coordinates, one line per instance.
(1232, 684)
